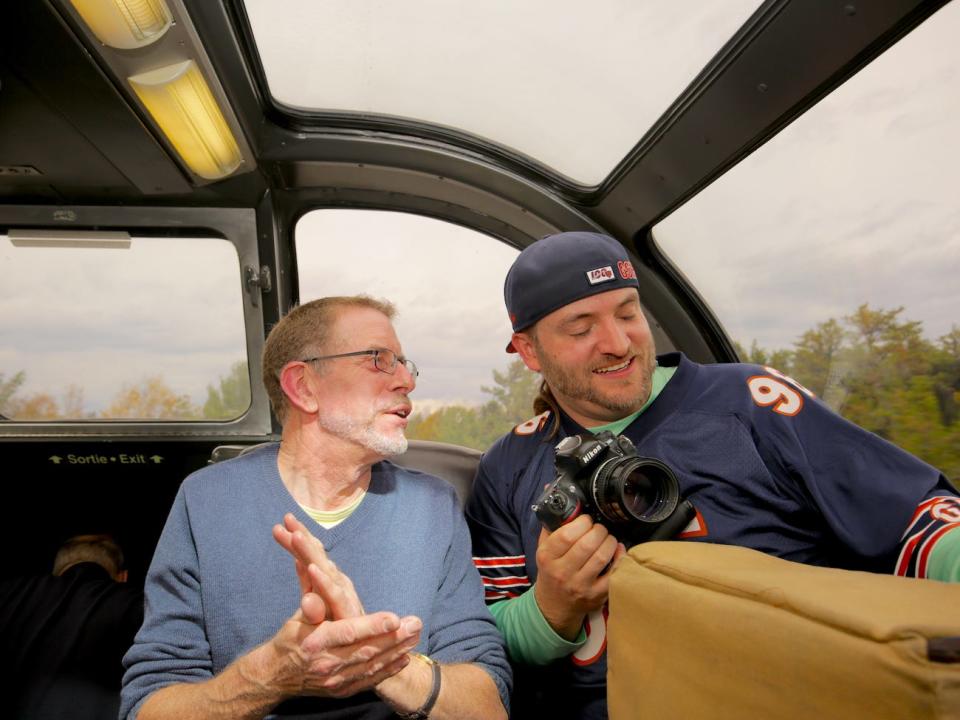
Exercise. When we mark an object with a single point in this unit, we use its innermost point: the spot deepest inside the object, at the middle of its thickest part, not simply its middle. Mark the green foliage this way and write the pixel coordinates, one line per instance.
(513, 393)
(477, 427)
(232, 398)
(945, 370)
(816, 354)
(876, 369)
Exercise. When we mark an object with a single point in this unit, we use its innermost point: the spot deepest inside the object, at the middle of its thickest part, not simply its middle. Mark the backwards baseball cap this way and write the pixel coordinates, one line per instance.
(560, 269)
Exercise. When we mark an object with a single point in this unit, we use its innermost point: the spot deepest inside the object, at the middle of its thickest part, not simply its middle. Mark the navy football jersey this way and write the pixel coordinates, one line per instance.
(766, 465)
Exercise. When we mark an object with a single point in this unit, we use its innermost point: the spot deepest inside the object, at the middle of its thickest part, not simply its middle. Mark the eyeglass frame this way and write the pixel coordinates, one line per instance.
(409, 364)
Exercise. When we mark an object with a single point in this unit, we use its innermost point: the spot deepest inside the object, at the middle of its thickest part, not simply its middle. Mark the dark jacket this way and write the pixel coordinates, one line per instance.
(62, 640)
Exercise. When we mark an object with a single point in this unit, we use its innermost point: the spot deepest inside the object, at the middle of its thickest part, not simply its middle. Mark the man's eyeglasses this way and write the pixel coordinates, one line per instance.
(384, 360)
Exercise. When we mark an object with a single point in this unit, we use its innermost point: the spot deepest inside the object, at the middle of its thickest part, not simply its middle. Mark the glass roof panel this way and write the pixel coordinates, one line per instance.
(832, 252)
(573, 85)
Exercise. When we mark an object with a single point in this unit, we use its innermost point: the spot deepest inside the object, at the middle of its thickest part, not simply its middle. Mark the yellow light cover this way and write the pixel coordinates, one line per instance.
(125, 24)
(182, 105)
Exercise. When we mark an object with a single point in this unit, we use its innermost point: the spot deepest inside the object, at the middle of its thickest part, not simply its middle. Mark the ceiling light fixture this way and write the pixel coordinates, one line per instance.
(180, 101)
(125, 24)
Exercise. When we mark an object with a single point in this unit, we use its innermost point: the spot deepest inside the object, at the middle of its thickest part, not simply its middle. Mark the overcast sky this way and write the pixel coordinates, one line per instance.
(855, 202)
(570, 83)
(446, 281)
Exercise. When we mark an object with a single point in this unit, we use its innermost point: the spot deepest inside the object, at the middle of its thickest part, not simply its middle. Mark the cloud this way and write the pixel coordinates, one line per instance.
(853, 203)
(446, 281)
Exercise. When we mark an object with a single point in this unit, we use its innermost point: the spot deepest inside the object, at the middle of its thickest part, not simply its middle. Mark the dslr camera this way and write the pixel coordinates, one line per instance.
(636, 498)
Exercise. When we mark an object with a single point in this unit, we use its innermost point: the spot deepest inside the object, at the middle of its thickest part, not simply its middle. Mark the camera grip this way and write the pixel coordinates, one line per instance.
(558, 505)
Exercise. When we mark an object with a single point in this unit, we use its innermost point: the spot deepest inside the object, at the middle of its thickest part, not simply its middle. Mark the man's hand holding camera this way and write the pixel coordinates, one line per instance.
(571, 577)
(601, 485)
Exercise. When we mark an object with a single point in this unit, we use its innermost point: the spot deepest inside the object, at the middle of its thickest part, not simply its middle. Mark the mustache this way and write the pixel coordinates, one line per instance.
(608, 359)
(400, 403)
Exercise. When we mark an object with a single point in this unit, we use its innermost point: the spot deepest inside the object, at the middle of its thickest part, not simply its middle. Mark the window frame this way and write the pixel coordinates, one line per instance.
(236, 225)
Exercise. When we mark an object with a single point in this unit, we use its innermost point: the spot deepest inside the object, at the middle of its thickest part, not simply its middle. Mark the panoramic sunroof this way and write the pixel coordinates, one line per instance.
(572, 85)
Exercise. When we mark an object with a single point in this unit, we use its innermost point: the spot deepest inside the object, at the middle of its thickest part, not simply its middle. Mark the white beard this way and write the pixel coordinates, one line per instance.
(363, 433)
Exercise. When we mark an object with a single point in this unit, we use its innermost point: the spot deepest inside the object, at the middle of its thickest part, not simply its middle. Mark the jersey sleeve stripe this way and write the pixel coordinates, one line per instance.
(906, 554)
(925, 507)
(508, 581)
(502, 561)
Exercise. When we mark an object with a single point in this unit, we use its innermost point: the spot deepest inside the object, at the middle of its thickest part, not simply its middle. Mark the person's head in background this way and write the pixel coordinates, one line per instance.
(100, 549)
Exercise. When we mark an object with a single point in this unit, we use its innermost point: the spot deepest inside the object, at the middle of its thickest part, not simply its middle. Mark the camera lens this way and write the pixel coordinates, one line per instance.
(635, 489)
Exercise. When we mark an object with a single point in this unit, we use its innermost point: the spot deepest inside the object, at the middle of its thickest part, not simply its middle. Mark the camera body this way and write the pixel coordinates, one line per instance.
(636, 498)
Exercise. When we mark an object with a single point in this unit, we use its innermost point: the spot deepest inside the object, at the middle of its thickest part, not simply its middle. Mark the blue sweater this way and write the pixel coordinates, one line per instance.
(219, 585)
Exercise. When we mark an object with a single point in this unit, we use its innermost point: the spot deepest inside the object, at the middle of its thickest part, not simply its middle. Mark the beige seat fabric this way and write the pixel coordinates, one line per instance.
(709, 631)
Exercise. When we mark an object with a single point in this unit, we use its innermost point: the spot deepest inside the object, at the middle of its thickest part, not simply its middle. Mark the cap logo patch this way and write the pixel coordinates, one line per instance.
(600, 275)
(626, 270)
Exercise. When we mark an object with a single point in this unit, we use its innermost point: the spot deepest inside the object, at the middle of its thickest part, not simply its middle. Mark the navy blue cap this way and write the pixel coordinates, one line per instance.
(560, 269)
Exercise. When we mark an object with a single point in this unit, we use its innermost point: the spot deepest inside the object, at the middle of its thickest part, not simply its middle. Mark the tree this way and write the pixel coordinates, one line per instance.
(232, 398)
(8, 388)
(877, 370)
(816, 356)
(513, 392)
(152, 399)
(39, 406)
(477, 427)
(946, 376)
(756, 355)
(886, 353)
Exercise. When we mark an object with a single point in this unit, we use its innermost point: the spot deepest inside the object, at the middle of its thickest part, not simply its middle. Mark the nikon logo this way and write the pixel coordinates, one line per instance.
(590, 454)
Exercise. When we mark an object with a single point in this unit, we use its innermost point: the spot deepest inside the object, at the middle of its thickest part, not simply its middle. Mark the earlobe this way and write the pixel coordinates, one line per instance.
(526, 350)
(297, 388)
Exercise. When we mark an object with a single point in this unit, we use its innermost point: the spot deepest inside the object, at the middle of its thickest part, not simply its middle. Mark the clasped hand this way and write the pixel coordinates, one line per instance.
(330, 646)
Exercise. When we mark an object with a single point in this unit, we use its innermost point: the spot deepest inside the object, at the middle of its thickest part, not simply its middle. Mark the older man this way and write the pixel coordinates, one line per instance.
(235, 628)
(766, 465)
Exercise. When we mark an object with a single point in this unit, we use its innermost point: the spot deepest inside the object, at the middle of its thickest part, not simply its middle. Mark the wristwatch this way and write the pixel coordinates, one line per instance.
(424, 711)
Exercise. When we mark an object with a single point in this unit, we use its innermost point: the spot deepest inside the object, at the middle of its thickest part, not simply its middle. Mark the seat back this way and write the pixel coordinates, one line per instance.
(710, 631)
(454, 463)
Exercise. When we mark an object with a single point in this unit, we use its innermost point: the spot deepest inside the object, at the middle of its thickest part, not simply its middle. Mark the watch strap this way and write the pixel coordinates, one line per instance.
(424, 711)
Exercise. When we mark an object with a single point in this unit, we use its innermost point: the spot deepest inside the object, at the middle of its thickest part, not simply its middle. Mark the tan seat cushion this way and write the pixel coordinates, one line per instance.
(710, 631)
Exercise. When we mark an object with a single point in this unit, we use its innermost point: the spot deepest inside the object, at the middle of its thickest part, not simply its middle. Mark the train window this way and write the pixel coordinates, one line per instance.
(570, 88)
(149, 329)
(447, 284)
(833, 252)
